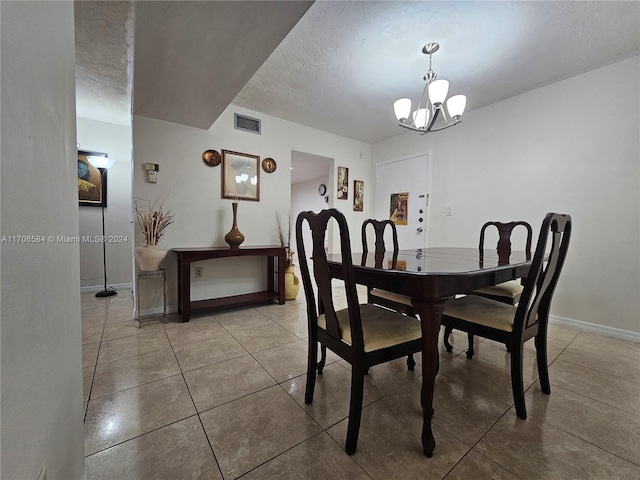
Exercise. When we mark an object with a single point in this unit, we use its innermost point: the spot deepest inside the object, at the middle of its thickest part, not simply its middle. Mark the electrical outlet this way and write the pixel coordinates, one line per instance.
(198, 272)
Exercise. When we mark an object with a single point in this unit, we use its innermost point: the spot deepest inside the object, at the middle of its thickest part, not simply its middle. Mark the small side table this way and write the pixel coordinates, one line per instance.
(151, 275)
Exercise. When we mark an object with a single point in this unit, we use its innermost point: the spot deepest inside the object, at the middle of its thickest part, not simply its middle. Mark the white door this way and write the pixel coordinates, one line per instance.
(394, 179)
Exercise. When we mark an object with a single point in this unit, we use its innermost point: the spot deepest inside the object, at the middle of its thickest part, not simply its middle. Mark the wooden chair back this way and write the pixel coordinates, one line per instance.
(379, 227)
(504, 239)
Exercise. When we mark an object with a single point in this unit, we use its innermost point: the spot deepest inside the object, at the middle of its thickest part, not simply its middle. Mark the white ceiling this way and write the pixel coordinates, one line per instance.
(343, 64)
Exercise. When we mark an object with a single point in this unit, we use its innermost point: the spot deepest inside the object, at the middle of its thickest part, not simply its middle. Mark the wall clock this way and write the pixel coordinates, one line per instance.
(269, 165)
(322, 189)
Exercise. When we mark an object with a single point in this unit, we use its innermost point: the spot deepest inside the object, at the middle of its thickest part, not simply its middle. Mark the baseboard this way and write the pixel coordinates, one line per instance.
(116, 286)
(596, 328)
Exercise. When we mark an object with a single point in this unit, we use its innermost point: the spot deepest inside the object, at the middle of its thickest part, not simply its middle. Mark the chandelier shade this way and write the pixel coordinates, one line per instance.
(430, 106)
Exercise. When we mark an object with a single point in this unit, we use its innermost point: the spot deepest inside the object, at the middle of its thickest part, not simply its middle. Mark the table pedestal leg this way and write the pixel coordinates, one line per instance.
(430, 313)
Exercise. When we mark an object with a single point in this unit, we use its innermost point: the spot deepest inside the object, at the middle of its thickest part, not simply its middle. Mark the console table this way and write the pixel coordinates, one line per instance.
(274, 276)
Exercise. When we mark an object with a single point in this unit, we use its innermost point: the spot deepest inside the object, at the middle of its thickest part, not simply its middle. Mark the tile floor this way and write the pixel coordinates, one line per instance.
(221, 397)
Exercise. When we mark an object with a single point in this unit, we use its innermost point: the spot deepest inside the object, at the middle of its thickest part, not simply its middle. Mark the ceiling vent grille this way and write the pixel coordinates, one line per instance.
(247, 124)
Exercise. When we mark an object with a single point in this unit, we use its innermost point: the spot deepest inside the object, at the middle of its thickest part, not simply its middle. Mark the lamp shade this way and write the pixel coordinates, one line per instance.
(421, 118)
(101, 162)
(456, 105)
(402, 108)
(438, 90)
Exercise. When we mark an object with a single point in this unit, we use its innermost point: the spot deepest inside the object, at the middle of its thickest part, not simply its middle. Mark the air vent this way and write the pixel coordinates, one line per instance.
(248, 124)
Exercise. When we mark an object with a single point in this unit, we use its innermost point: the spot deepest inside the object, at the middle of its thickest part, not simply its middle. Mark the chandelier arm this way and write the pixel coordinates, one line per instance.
(434, 117)
(412, 128)
(445, 127)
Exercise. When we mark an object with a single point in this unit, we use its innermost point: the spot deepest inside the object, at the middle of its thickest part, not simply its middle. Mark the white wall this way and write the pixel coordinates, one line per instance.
(305, 197)
(202, 218)
(560, 148)
(114, 140)
(40, 331)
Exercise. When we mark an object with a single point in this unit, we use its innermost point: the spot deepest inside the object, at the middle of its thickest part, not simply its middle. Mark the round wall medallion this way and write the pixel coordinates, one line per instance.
(211, 158)
(322, 189)
(269, 165)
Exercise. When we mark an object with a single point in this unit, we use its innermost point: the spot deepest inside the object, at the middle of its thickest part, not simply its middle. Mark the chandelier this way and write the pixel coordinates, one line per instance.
(430, 105)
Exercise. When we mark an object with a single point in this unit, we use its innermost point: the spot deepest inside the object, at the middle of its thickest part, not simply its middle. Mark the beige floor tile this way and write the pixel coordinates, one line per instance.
(263, 338)
(87, 380)
(537, 450)
(560, 332)
(90, 354)
(608, 344)
(585, 381)
(467, 414)
(286, 361)
(92, 333)
(133, 371)
(124, 347)
(209, 351)
(389, 445)
(235, 321)
(252, 430)
(177, 451)
(319, 458)
(624, 364)
(120, 315)
(331, 395)
(194, 330)
(127, 329)
(489, 378)
(473, 465)
(226, 381)
(609, 428)
(125, 415)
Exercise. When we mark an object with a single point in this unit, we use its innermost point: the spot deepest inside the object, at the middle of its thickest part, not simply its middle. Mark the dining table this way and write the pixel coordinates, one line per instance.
(431, 276)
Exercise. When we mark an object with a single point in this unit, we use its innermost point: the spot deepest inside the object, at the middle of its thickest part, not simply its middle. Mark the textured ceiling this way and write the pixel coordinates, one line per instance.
(343, 64)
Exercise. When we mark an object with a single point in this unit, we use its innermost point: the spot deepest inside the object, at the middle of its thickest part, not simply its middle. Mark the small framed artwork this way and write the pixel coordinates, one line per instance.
(92, 181)
(398, 208)
(240, 176)
(358, 195)
(343, 183)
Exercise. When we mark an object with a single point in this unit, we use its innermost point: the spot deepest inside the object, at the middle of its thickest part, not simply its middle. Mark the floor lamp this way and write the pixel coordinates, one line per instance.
(103, 164)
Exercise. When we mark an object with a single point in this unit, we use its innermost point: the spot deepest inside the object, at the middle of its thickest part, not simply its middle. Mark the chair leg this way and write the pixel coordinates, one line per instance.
(311, 371)
(355, 408)
(541, 357)
(411, 363)
(516, 381)
(447, 332)
(323, 359)
(470, 351)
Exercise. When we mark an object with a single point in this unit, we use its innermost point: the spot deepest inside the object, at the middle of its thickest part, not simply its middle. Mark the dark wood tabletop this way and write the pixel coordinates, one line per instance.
(431, 276)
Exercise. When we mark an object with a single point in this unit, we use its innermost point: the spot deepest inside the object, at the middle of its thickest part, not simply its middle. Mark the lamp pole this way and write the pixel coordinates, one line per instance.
(102, 164)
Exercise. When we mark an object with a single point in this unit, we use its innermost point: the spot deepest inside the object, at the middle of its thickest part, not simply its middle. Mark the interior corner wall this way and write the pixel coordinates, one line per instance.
(557, 148)
(114, 140)
(40, 331)
(193, 189)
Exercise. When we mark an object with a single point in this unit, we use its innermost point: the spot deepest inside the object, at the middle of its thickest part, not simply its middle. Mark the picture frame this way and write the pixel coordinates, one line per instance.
(92, 181)
(399, 208)
(358, 196)
(343, 183)
(240, 176)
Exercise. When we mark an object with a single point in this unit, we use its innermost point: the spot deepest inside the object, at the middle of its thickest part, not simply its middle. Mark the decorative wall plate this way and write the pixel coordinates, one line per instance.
(269, 165)
(211, 158)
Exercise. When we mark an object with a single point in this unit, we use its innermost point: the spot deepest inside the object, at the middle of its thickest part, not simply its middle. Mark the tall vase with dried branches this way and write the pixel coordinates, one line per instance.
(291, 281)
(153, 221)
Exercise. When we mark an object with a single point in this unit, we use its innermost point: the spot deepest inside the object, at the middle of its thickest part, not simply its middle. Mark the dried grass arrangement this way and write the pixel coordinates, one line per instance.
(153, 221)
(283, 217)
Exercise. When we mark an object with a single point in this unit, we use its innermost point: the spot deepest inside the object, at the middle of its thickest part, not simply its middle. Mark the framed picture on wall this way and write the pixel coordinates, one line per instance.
(92, 182)
(358, 195)
(240, 176)
(343, 183)
(398, 208)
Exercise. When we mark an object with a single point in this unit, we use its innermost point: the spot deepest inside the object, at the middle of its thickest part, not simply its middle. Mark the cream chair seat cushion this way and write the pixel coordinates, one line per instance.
(394, 297)
(482, 311)
(509, 289)
(381, 328)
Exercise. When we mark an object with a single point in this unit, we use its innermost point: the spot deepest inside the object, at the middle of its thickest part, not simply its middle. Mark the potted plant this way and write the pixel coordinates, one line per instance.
(153, 221)
(291, 281)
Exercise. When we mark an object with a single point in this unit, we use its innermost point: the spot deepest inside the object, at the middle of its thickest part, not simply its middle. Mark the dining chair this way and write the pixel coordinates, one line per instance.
(395, 301)
(514, 325)
(363, 335)
(506, 292)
